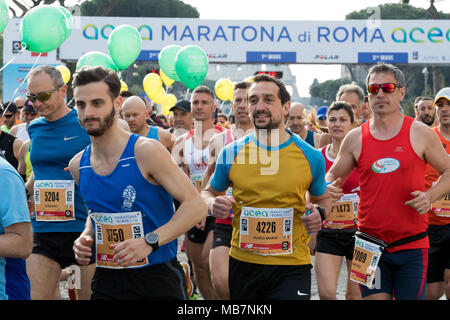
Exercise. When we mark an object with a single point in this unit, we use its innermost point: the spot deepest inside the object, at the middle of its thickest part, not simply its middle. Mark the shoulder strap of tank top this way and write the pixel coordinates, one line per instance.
(128, 152)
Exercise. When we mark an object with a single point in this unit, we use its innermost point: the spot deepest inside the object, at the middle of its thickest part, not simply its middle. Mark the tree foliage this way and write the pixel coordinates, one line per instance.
(415, 82)
(139, 8)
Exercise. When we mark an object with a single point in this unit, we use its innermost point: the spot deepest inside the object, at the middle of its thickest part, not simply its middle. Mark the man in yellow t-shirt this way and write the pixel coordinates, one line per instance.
(270, 170)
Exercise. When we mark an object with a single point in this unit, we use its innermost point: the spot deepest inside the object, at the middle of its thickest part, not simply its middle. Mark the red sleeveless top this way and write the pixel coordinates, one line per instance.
(389, 170)
(430, 176)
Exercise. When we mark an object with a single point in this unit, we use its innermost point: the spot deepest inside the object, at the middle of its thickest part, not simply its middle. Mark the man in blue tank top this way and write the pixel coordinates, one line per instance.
(60, 213)
(128, 182)
(135, 113)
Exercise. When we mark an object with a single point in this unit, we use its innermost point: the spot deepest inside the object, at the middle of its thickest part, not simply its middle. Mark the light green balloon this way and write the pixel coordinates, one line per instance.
(124, 45)
(43, 29)
(69, 18)
(191, 64)
(166, 60)
(4, 15)
(96, 59)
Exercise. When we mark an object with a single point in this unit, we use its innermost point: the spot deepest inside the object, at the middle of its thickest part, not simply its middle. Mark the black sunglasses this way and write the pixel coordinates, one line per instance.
(43, 96)
(9, 116)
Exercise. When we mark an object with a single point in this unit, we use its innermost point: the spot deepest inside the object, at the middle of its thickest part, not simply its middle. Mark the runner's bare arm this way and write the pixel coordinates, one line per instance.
(426, 143)
(166, 139)
(165, 171)
(177, 150)
(74, 166)
(17, 241)
(22, 167)
(218, 204)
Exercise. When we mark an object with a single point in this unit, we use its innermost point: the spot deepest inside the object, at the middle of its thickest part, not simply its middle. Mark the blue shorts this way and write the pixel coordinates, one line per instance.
(401, 274)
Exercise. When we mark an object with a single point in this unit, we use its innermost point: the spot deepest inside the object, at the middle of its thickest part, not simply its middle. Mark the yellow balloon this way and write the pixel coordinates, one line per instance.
(152, 85)
(166, 111)
(224, 89)
(167, 81)
(159, 98)
(249, 79)
(65, 72)
(123, 86)
(170, 100)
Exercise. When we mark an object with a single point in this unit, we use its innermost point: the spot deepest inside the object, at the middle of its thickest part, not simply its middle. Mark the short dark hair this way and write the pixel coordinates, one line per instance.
(242, 85)
(88, 75)
(387, 68)
(342, 105)
(205, 89)
(283, 94)
(126, 94)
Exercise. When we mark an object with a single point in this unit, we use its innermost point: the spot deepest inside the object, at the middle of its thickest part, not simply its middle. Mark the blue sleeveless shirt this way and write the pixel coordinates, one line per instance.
(153, 133)
(126, 190)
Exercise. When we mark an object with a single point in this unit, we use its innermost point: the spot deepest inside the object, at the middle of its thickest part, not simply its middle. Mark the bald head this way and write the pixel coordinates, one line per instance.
(296, 118)
(135, 113)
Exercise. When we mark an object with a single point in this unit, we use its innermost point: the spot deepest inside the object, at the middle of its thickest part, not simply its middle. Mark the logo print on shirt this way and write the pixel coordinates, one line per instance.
(70, 138)
(129, 196)
(398, 149)
(385, 165)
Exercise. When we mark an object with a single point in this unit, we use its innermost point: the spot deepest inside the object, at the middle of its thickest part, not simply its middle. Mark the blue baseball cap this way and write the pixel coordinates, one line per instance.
(322, 112)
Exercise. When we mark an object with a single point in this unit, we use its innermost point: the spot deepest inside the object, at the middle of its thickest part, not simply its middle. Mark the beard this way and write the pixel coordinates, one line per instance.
(104, 124)
(428, 120)
(272, 124)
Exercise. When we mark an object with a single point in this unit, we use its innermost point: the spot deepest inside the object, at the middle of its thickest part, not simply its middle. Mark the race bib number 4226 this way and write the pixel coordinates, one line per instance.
(266, 231)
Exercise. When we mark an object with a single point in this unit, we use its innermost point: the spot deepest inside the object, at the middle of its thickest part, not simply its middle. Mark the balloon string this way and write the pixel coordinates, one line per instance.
(21, 84)
(221, 106)
(68, 103)
(187, 93)
(13, 58)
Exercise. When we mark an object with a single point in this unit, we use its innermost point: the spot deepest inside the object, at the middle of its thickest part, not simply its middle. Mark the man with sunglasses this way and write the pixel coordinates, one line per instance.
(60, 212)
(9, 144)
(28, 114)
(9, 116)
(390, 152)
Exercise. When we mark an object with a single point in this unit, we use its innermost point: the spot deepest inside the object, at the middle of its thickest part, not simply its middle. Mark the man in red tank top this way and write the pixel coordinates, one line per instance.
(438, 274)
(390, 153)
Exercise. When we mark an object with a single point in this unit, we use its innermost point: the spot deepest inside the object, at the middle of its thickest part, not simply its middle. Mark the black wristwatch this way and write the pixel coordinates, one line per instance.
(152, 240)
(322, 212)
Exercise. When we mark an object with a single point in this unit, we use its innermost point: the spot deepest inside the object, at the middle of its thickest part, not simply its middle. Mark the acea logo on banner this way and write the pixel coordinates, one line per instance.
(92, 32)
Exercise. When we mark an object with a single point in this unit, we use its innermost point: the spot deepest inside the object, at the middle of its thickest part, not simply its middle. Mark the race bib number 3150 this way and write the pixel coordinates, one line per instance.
(112, 228)
(266, 231)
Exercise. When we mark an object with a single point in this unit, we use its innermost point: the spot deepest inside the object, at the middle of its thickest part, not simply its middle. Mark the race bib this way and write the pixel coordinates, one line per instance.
(366, 256)
(343, 214)
(112, 228)
(441, 208)
(54, 200)
(266, 231)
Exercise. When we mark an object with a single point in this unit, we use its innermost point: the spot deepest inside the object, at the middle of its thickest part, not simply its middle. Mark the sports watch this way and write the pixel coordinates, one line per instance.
(322, 212)
(152, 240)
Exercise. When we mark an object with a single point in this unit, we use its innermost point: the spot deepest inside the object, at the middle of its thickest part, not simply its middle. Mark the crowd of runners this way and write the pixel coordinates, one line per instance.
(108, 186)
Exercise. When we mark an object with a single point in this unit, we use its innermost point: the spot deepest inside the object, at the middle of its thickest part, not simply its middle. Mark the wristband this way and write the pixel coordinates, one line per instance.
(322, 212)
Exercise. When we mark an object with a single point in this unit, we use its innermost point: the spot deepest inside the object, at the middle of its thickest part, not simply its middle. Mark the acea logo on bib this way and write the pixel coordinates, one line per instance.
(385, 165)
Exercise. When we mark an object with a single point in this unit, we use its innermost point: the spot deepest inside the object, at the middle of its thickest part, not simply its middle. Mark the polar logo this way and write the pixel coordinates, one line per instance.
(385, 165)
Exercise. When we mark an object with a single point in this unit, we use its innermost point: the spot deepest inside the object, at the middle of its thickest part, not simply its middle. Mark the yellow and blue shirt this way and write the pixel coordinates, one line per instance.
(269, 186)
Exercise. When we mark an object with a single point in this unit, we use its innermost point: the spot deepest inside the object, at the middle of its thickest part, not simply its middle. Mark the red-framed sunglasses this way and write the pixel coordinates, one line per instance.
(386, 87)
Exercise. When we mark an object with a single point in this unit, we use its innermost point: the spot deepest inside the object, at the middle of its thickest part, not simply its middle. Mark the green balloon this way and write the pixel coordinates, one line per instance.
(191, 64)
(69, 25)
(4, 15)
(43, 29)
(124, 45)
(166, 60)
(96, 59)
